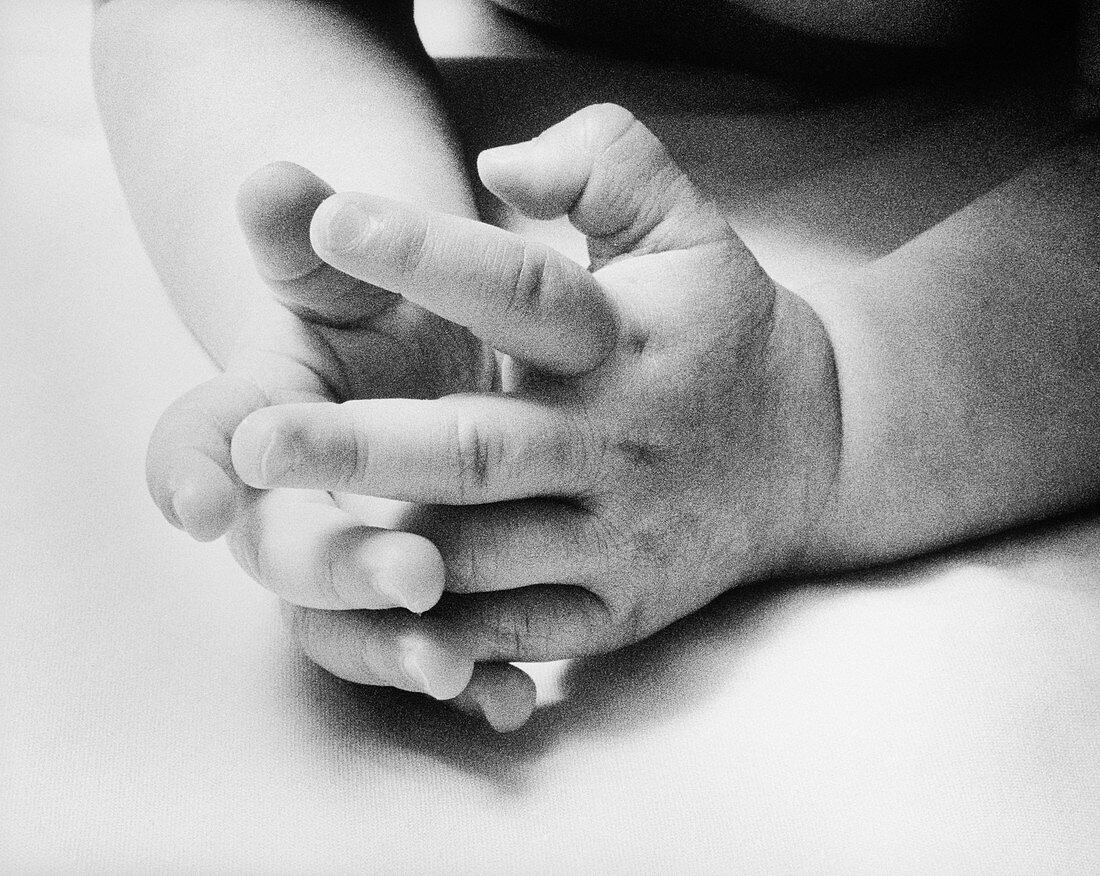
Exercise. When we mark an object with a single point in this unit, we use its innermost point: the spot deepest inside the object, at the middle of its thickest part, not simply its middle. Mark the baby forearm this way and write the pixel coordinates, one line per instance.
(969, 369)
(196, 94)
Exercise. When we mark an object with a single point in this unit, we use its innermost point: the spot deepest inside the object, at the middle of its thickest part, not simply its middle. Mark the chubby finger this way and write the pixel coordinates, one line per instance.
(541, 622)
(504, 545)
(522, 298)
(545, 622)
(500, 693)
(614, 179)
(392, 648)
(303, 547)
(457, 450)
(275, 205)
(188, 468)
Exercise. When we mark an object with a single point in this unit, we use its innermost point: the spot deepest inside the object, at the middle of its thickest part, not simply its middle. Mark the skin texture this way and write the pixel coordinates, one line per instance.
(936, 350)
(560, 506)
(625, 481)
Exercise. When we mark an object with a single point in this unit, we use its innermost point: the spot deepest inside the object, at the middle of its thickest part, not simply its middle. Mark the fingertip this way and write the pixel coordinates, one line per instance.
(501, 694)
(501, 167)
(249, 446)
(545, 177)
(204, 509)
(338, 224)
(537, 178)
(274, 207)
(195, 494)
(508, 712)
(406, 567)
(279, 187)
(187, 467)
(434, 669)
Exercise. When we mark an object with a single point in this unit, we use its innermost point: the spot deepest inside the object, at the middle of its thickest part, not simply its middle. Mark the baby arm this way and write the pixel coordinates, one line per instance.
(969, 359)
(196, 94)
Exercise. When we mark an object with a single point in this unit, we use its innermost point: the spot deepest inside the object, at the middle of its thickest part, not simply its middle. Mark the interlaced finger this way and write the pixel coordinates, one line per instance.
(505, 545)
(302, 546)
(520, 297)
(457, 450)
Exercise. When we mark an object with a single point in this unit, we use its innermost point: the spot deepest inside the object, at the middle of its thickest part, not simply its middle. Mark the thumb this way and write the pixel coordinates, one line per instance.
(188, 468)
(613, 178)
(275, 206)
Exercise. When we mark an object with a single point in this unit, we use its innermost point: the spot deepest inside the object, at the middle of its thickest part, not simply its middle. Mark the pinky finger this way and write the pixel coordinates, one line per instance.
(502, 694)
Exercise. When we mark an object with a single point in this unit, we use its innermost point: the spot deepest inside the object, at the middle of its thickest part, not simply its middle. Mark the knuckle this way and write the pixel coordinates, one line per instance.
(349, 457)
(327, 580)
(634, 180)
(270, 573)
(408, 244)
(463, 564)
(587, 455)
(458, 540)
(477, 454)
(518, 634)
(523, 288)
(363, 661)
(616, 146)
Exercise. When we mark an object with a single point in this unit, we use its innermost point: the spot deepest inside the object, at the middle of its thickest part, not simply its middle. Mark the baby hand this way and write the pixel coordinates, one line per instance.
(670, 426)
(325, 337)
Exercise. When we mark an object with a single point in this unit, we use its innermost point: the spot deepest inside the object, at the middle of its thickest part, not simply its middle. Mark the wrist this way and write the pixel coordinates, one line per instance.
(855, 523)
(809, 425)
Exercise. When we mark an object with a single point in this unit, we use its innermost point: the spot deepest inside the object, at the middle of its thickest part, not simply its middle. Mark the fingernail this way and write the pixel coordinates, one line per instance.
(262, 455)
(501, 156)
(506, 708)
(341, 228)
(414, 670)
(396, 594)
(177, 518)
(495, 154)
(252, 444)
(273, 462)
(438, 675)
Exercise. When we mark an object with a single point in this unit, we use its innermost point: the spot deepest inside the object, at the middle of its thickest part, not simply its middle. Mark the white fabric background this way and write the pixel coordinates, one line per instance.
(942, 716)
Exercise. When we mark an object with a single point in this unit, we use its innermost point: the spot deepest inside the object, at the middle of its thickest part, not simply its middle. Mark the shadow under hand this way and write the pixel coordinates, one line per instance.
(678, 671)
(673, 671)
(354, 720)
(681, 668)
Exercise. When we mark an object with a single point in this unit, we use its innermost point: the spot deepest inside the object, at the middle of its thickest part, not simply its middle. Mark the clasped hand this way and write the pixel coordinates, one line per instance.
(659, 427)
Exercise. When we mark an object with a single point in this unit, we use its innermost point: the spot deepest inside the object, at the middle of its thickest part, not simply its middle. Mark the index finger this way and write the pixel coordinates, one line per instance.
(523, 298)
